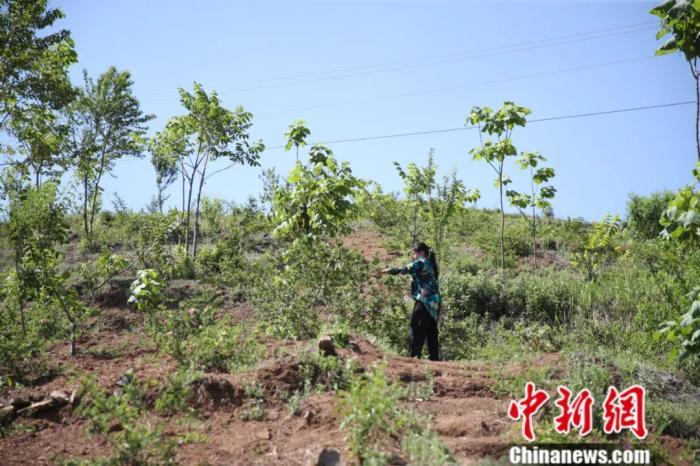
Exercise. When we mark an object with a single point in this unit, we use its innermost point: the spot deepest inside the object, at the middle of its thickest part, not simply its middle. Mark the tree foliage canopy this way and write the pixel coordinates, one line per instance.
(319, 198)
(33, 66)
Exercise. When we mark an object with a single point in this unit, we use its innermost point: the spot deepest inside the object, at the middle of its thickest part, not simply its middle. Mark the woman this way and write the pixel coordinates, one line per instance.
(426, 293)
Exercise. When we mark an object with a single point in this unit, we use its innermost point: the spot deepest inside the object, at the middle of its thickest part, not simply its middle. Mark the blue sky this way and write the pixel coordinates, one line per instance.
(359, 69)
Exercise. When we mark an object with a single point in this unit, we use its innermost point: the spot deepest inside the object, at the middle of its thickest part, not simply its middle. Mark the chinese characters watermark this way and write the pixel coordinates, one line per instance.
(621, 410)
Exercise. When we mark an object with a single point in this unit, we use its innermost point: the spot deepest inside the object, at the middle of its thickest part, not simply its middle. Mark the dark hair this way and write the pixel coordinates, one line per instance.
(420, 246)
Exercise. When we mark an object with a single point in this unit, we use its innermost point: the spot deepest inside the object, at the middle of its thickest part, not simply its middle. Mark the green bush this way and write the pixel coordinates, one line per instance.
(517, 242)
(644, 213)
(175, 396)
(223, 347)
(119, 419)
(542, 297)
(378, 427)
(372, 416)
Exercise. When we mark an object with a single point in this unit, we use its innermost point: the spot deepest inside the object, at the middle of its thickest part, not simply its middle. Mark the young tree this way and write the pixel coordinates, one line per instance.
(433, 203)
(34, 62)
(319, 199)
(536, 200)
(681, 19)
(166, 169)
(206, 133)
(296, 136)
(450, 196)
(417, 185)
(36, 225)
(501, 124)
(41, 136)
(105, 123)
(681, 223)
(271, 183)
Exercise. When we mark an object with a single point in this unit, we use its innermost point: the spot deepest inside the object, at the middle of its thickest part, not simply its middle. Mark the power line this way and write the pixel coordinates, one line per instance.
(466, 128)
(463, 86)
(523, 47)
(434, 57)
(646, 24)
(536, 120)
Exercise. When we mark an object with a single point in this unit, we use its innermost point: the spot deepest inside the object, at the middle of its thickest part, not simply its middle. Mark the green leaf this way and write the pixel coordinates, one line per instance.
(670, 46)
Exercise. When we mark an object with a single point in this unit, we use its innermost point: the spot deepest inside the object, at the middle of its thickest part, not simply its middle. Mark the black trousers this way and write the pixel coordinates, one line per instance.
(423, 327)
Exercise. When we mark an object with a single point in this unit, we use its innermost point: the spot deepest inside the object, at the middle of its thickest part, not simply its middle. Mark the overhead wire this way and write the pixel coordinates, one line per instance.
(459, 57)
(466, 128)
(462, 86)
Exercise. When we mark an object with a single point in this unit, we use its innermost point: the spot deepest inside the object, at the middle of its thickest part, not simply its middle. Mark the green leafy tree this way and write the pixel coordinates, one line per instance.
(430, 202)
(681, 19)
(417, 185)
(644, 213)
(34, 61)
(450, 196)
(106, 123)
(36, 225)
(42, 142)
(599, 248)
(208, 132)
(681, 223)
(499, 123)
(166, 169)
(296, 136)
(270, 184)
(535, 199)
(318, 201)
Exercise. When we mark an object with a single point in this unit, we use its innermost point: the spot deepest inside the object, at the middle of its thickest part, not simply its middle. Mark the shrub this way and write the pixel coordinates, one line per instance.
(372, 416)
(377, 425)
(543, 297)
(326, 372)
(119, 419)
(644, 213)
(176, 394)
(222, 347)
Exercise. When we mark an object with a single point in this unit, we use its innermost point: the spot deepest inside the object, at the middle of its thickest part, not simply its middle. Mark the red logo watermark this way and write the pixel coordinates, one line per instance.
(621, 410)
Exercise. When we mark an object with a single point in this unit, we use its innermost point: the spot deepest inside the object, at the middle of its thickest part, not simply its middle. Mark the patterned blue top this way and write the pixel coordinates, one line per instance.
(425, 286)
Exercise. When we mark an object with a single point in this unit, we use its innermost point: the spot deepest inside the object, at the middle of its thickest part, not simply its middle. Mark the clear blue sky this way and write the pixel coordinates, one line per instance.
(241, 48)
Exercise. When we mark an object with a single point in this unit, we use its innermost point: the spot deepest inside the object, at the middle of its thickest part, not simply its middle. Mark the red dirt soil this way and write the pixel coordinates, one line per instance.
(467, 416)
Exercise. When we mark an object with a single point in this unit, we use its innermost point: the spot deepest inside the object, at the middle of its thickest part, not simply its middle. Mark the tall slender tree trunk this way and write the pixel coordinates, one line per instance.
(503, 216)
(414, 234)
(188, 214)
(73, 326)
(534, 220)
(85, 205)
(21, 316)
(182, 211)
(195, 241)
(96, 193)
(697, 111)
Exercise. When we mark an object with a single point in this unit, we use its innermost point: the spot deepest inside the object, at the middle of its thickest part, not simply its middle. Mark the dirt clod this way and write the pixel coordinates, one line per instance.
(215, 391)
(19, 402)
(329, 457)
(6, 413)
(325, 346)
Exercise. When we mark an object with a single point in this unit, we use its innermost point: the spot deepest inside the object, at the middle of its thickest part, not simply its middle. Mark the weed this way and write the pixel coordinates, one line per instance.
(256, 409)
